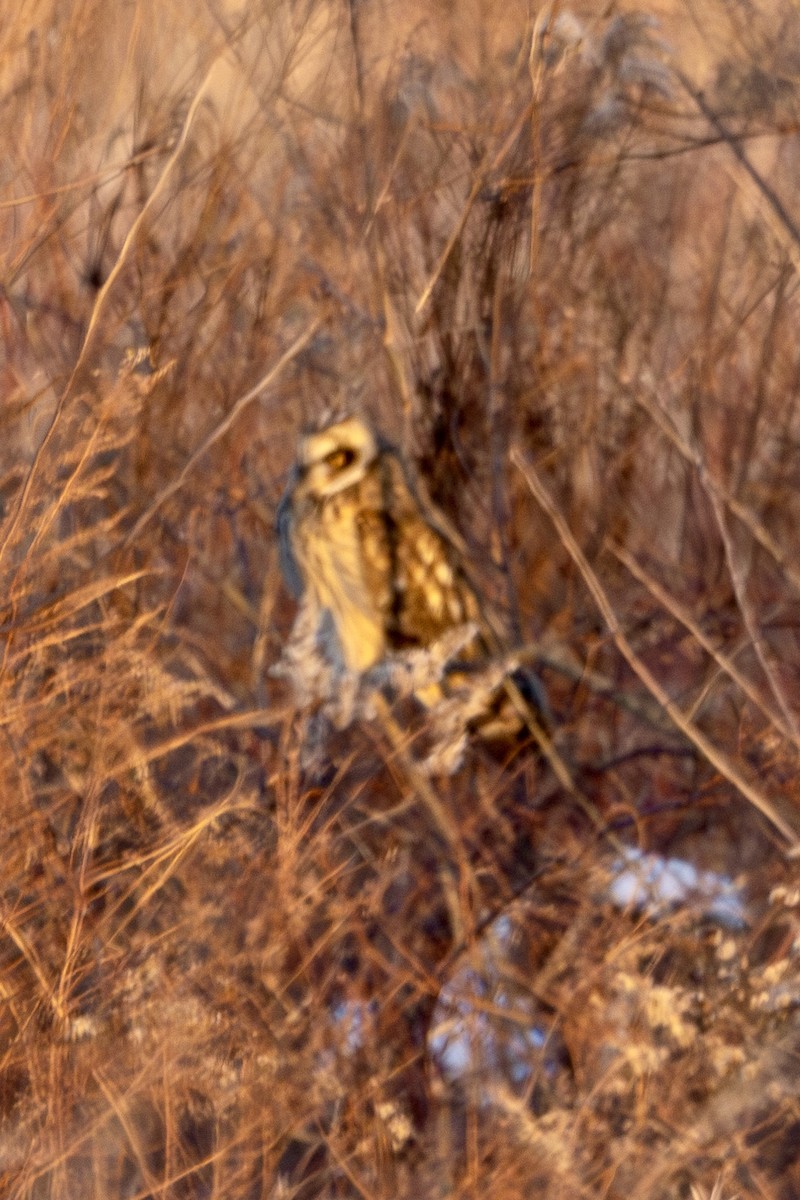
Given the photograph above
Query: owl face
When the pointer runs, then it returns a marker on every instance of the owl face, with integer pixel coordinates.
(335, 458)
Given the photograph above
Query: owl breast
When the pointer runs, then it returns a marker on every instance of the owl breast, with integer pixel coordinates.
(329, 551)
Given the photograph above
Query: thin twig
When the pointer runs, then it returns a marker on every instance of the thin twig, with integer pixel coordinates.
(693, 456)
(30, 955)
(748, 616)
(222, 428)
(558, 764)
(712, 753)
(602, 685)
(780, 219)
(100, 306)
(723, 661)
(449, 831)
(480, 179)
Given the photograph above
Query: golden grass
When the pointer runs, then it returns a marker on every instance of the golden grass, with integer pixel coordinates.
(553, 253)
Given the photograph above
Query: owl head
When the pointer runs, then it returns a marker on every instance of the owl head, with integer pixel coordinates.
(335, 457)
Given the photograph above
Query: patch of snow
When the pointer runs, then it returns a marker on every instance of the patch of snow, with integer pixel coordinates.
(654, 884)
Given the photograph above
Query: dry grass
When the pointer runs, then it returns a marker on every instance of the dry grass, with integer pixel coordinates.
(555, 255)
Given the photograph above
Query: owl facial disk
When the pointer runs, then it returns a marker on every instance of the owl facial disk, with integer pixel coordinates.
(336, 457)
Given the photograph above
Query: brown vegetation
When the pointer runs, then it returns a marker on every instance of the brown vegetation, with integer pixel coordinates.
(554, 254)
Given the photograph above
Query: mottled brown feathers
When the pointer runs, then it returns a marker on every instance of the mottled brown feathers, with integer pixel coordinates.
(357, 538)
(380, 565)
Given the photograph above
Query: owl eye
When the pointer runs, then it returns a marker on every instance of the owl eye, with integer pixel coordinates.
(337, 460)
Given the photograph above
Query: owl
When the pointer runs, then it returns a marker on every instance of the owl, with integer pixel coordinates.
(358, 540)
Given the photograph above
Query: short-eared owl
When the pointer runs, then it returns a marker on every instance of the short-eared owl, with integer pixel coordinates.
(358, 540)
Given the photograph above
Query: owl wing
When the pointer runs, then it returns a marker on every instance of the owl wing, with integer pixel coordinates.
(418, 578)
(434, 594)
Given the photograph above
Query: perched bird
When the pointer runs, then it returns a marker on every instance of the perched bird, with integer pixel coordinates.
(358, 540)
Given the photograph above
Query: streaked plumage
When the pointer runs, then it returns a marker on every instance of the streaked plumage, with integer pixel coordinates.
(358, 540)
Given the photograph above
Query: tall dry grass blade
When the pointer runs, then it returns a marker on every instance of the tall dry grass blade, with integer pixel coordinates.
(718, 759)
(139, 1152)
(99, 310)
(170, 854)
(780, 220)
(748, 616)
(222, 428)
(558, 764)
(460, 886)
(693, 456)
(251, 719)
(105, 291)
(70, 605)
(30, 955)
(106, 175)
(723, 661)
(484, 171)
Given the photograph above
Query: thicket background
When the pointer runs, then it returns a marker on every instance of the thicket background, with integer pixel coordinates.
(552, 252)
